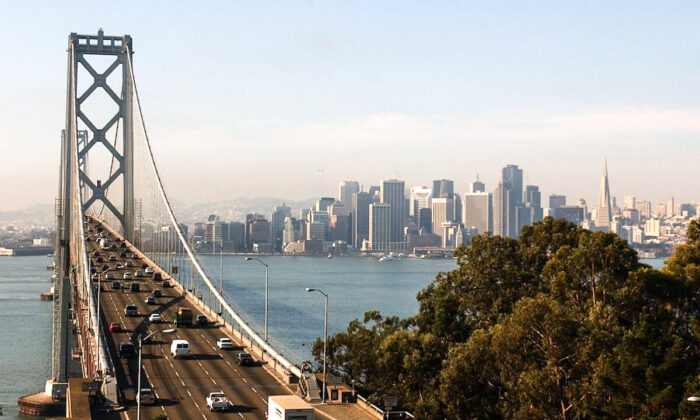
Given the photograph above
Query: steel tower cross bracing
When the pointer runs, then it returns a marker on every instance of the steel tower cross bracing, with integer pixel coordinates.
(84, 46)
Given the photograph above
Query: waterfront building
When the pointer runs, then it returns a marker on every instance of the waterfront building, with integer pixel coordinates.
(379, 227)
(360, 218)
(279, 214)
(316, 230)
(392, 193)
(292, 231)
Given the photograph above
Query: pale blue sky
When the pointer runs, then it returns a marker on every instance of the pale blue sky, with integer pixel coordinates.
(286, 99)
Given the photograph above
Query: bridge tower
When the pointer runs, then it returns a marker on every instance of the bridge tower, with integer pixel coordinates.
(78, 196)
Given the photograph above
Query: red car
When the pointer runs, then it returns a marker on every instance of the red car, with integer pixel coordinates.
(115, 327)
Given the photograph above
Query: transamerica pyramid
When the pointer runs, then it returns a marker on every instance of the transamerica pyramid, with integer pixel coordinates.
(604, 212)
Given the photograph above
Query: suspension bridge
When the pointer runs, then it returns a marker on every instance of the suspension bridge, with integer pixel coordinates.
(118, 243)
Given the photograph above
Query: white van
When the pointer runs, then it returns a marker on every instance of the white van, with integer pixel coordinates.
(180, 348)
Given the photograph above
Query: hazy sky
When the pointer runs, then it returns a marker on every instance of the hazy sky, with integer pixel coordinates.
(286, 99)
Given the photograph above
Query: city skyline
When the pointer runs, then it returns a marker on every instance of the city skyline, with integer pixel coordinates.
(414, 92)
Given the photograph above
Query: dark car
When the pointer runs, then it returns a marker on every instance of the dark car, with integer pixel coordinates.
(116, 285)
(150, 300)
(115, 327)
(135, 287)
(127, 349)
(165, 283)
(144, 265)
(112, 258)
(201, 320)
(95, 253)
(245, 359)
(104, 267)
(157, 277)
(100, 259)
(122, 255)
(136, 257)
(157, 293)
(122, 245)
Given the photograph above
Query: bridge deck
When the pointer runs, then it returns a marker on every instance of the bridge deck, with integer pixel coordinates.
(181, 385)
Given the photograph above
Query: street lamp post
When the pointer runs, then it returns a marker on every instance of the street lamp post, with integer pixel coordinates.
(325, 336)
(266, 289)
(138, 386)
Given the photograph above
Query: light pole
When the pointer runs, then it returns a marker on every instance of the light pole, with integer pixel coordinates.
(325, 336)
(138, 386)
(99, 323)
(266, 289)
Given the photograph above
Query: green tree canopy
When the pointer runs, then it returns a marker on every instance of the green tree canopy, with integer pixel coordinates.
(559, 323)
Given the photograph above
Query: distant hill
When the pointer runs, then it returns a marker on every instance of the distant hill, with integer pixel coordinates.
(188, 213)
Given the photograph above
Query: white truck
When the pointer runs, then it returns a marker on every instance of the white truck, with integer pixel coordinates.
(288, 407)
(104, 243)
(217, 401)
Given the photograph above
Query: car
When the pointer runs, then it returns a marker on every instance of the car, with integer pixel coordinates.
(155, 318)
(115, 327)
(134, 256)
(122, 245)
(150, 300)
(122, 255)
(165, 284)
(245, 359)
(109, 276)
(224, 343)
(138, 273)
(201, 320)
(95, 277)
(114, 246)
(112, 258)
(134, 287)
(95, 253)
(116, 285)
(117, 266)
(157, 277)
(149, 270)
(180, 348)
(144, 265)
(127, 349)
(128, 264)
(127, 276)
(147, 396)
(131, 310)
(93, 270)
(105, 267)
(217, 401)
(89, 228)
(157, 293)
(99, 260)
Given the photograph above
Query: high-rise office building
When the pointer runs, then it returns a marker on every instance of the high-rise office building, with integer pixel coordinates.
(346, 190)
(477, 186)
(443, 212)
(604, 210)
(509, 213)
(360, 218)
(323, 203)
(392, 193)
(380, 227)
(671, 207)
(425, 220)
(556, 201)
(499, 204)
(279, 213)
(630, 202)
(644, 208)
(420, 199)
(533, 204)
(443, 188)
(477, 211)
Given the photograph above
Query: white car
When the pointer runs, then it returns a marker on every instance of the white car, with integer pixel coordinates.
(155, 318)
(127, 276)
(224, 343)
(138, 273)
(149, 270)
(217, 401)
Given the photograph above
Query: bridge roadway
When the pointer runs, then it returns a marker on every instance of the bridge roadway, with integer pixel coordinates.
(180, 385)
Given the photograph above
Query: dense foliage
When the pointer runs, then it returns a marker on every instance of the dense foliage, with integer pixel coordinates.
(560, 323)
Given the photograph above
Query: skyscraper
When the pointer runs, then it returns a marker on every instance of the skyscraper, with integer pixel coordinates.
(533, 204)
(508, 211)
(392, 193)
(360, 217)
(443, 188)
(380, 227)
(346, 190)
(443, 212)
(556, 201)
(604, 210)
(420, 199)
(477, 186)
(477, 211)
(499, 212)
(277, 225)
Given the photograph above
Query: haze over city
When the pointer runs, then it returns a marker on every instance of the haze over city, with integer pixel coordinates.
(246, 101)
